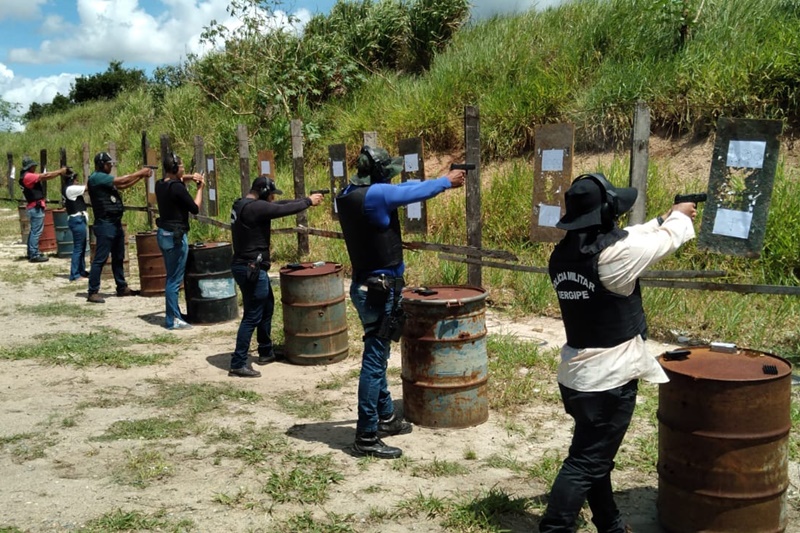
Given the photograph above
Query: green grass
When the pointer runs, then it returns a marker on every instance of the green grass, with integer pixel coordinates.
(304, 478)
(126, 521)
(439, 468)
(146, 429)
(302, 405)
(141, 468)
(53, 309)
(198, 398)
(305, 522)
(83, 350)
(489, 512)
(253, 445)
(25, 447)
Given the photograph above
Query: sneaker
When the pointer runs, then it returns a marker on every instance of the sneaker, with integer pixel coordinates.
(244, 372)
(95, 298)
(127, 291)
(372, 446)
(393, 426)
(39, 259)
(180, 324)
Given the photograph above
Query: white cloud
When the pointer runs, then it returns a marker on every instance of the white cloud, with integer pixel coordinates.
(487, 8)
(20, 9)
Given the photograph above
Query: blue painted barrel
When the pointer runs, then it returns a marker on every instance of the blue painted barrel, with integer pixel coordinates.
(209, 285)
(444, 361)
(314, 314)
(63, 233)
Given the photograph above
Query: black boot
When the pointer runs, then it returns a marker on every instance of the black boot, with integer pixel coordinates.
(369, 444)
(388, 427)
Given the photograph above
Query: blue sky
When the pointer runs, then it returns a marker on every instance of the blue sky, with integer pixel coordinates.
(46, 44)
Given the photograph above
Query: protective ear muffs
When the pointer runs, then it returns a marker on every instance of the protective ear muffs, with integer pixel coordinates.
(375, 170)
(610, 208)
(263, 194)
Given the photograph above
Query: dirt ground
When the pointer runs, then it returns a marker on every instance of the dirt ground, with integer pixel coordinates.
(61, 410)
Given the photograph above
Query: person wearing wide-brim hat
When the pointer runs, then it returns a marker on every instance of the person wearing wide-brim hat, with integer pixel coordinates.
(36, 203)
(595, 272)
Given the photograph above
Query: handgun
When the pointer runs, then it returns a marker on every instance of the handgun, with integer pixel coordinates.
(693, 198)
(320, 191)
(462, 166)
(151, 167)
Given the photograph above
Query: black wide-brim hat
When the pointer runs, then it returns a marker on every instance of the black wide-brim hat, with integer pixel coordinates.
(586, 197)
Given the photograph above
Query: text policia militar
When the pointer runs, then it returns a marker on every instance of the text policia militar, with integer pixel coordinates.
(572, 277)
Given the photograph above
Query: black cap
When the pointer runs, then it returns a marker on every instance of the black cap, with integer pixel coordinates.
(265, 185)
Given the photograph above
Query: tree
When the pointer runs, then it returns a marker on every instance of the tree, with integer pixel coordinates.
(8, 115)
(106, 85)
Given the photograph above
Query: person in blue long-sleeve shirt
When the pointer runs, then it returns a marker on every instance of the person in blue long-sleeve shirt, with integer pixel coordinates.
(371, 226)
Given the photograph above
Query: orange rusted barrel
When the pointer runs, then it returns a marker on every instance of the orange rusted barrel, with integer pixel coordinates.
(723, 441)
(444, 361)
(152, 270)
(47, 241)
(314, 313)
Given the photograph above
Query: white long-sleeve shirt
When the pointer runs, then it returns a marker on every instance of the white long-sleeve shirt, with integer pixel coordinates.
(619, 266)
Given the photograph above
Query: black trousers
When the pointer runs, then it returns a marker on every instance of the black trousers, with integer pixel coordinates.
(601, 421)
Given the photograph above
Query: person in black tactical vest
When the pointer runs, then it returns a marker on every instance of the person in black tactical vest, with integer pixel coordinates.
(371, 227)
(78, 219)
(35, 203)
(251, 219)
(174, 205)
(108, 209)
(595, 272)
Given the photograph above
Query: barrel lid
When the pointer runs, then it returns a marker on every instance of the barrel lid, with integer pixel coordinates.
(318, 268)
(744, 365)
(444, 293)
(205, 245)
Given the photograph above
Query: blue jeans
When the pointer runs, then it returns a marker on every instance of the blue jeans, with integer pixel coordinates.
(601, 421)
(259, 304)
(374, 398)
(36, 218)
(109, 239)
(175, 264)
(77, 225)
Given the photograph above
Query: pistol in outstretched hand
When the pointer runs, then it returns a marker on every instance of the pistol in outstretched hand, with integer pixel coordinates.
(693, 198)
(462, 166)
(320, 191)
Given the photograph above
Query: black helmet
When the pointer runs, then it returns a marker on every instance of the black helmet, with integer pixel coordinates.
(377, 165)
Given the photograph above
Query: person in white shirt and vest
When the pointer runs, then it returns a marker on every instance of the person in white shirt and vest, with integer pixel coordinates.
(595, 272)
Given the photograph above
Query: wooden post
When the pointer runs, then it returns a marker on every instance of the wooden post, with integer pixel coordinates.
(371, 138)
(62, 162)
(299, 182)
(112, 151)
(211, 185)
(86, 158)
(472, 144)
(244, 158)
(552, 176)
(10, 174)
(150, 190)
(200, 166)
(639, 160)
(43, 168)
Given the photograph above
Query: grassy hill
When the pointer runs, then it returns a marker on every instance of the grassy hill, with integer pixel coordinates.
(585, 62)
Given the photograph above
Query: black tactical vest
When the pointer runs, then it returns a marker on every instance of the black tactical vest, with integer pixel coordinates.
(248, 241)
(78, 205)
(370, 248)
(106, 202)
(34, 193)
(594, 317)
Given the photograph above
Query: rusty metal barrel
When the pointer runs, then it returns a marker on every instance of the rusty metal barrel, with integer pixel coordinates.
(152, 270)
(47, 241)
(723, 441)
(209, 286)
(107, 272)
(314, 313)
(444, 361)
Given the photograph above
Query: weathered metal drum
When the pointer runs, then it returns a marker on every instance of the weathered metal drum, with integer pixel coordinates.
(209, 285)
(444, 361)
(63, 233)
(152, 271)
(723, 442)
(314, 314)
(47, 241)
(107, 272)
